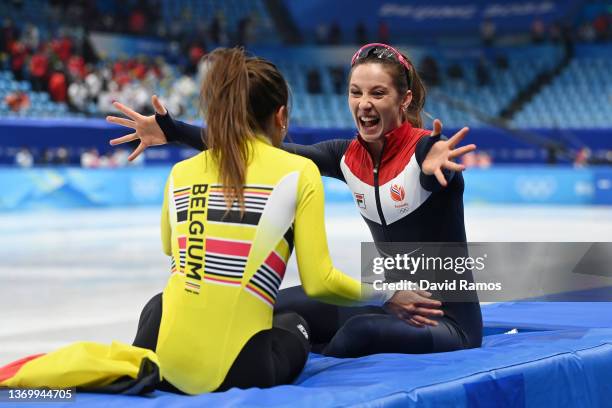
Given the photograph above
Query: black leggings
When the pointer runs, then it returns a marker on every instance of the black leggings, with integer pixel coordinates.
(271, 357)
(341, 331)
(358, 331)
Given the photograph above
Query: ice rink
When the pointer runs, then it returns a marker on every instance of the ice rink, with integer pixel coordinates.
(86, 274)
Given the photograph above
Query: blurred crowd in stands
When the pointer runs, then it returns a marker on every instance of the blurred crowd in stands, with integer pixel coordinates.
(64, 156)
(58, 58)
(58, 65)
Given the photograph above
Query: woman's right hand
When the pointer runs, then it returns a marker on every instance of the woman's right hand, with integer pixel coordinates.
(415, 307)
(145, 127)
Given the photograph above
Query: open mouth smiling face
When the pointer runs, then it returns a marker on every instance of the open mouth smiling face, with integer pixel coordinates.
(374, 101)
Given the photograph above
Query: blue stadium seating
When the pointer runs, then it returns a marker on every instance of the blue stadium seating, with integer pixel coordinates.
(580, 97)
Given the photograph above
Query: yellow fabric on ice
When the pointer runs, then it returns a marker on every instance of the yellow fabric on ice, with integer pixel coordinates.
(81, 364)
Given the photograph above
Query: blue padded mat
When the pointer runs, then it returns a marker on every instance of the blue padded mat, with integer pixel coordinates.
(547, 368)
(530, 316)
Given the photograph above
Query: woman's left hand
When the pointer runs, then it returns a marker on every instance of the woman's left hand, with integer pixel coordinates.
(441, 153)
(415, 307)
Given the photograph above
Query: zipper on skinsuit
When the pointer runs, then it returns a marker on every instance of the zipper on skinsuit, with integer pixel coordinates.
(383, 222)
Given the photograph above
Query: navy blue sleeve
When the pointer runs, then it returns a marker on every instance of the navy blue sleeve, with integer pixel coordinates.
(180, 132)
(326, 155)
(429, 182)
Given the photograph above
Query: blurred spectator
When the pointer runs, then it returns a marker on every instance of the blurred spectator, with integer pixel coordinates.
(586, 32)
(57, 86)
(335, 34)
(162, 68)
(455, 71)
(338, 79)
(361, 34)
(478, 159)
(106, 98)
(93, 81)
(136, 95)
(138, 68)
(62, 47)
(469, 159)
(501, 61)
(482, 73)
(313, 81)
(185, 86)
(78, 36)
(120, 157)
(75, 11)
(218, 30)
(538, 31)
(47, 157)
(55, 9)
(18, 54)
(321, 33)
(17, 101)
(175, 104)
(106, 73)
(90, 158)
(77, 95)
(555, 32)
(39, 70)
(245, 32)
(76, 67)
(30, 37)
(121, 72)
(582, 157)
(487, 32)
(553, 152)
(196, 52)
(384, 34)
(61, 156)
(484, 160)
(429, 71)
(601, 25)
(108, 22)
(567, 38)
(201, 33)
(181, 94)
(24, 158)
(8, 34)
(106, 160)
(138, 22)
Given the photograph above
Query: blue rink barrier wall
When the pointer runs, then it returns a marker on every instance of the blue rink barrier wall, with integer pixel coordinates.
(72, 187)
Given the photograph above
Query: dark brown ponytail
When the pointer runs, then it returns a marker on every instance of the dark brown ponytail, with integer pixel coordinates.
(238, 99)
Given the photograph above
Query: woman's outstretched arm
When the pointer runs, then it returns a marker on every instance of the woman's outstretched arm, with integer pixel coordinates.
(162, 128)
